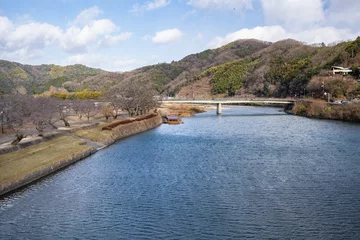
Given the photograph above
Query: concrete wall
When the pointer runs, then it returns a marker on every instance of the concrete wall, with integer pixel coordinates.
(133, 128)
(44, 172)
(118, 133)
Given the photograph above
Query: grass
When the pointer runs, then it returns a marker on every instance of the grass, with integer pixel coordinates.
(16, 165)
(95, 134)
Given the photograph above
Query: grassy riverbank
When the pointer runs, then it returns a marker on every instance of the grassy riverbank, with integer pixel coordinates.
(182, 110)
(19, 164)
(28, 164)
(323, 110)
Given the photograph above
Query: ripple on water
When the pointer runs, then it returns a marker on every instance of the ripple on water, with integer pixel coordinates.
(231, 177)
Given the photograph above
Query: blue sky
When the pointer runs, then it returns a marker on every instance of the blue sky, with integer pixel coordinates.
(123, 35)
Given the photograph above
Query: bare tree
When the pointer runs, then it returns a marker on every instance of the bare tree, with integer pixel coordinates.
(78, 107)
(2, 113)
(16, 113)
(52, 116)
(116, 106)
(135, 97)
(89, 109)
(106, 111)
(39, 110)
(63, 110)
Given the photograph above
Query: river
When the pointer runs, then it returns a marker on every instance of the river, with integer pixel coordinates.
(252, 173)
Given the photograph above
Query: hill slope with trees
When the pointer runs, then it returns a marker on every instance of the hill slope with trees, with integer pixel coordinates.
(281, 69)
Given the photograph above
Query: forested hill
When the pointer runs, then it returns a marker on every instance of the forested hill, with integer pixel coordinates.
(241, 67)
(36, 79)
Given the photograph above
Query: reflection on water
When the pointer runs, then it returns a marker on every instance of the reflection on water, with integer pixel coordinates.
(251, 173)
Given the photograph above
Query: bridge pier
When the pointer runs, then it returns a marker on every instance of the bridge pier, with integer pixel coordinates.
(219, 109)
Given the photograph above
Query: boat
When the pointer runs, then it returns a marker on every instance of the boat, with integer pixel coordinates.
(172, 120)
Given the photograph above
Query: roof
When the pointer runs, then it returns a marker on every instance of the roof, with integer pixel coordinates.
(337, 67)
(341, 69)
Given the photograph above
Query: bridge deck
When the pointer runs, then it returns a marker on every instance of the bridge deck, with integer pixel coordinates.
(230, 101)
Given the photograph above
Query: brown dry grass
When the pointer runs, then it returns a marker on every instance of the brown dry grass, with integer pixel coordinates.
(18, 164)
(96, 134)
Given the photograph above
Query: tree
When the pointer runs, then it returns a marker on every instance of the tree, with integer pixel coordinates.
(89, 109)
(2, 116)
(106, 111)
(78, 107)
(134, 97)
(39, 110)
(16, 112)
(63, 110)
(52, 116)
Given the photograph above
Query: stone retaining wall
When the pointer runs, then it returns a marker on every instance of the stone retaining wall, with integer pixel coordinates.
(118, 133)
(44, 172)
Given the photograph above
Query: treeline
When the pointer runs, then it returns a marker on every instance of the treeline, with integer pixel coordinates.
(318, 109)
(76, 95)
(22, 114)
(289, 77)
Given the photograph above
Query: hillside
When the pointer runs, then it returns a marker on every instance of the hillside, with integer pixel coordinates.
(245, 66)
(36, 79)
(282, 69)
(165, 77)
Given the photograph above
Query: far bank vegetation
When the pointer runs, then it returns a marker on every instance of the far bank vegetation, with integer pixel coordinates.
(320, 109)
(21, 115)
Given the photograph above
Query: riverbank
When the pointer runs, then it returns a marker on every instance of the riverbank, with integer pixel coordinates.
(323, 110)
(23, 166)
(182, 110)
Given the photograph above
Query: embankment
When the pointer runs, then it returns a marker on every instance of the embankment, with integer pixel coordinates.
(29, 164)
(132, 128)
(323, 110)
(37, 174)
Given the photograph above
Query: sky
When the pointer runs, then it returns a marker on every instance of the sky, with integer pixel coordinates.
(123, 35)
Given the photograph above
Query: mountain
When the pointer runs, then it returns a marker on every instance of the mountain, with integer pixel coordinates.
(36, 79)
(282, 69)
(246, 66)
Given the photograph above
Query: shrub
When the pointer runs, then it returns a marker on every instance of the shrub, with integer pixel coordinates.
(299, 109)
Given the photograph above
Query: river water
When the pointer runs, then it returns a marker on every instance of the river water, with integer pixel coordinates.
(251, 173)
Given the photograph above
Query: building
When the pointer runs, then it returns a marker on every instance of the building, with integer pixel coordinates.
(340, 70)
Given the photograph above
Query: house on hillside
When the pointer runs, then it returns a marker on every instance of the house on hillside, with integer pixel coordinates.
(340, 70)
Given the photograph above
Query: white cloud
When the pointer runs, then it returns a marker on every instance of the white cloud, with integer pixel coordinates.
(109, 41)
(109, 63)
(5, 25)
(167, 36)
(189, 14)
(24, 55)
(149, 6)
(32, 38)
(27, 37)
(77, 39)
(87, 16)
(293, 13)
(199, 37)
(124, 63)
(156, 4)
(276, 33)
(146, 37)
(221, 4)
(343, 12)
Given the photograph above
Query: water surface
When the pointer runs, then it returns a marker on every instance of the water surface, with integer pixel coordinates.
(251, 173)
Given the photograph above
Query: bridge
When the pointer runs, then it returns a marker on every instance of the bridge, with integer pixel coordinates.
(219, 103)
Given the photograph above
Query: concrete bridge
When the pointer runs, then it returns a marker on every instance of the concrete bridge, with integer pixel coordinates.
(219, 103)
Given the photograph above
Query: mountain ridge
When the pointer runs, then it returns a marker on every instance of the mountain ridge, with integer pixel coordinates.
(172, 78)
